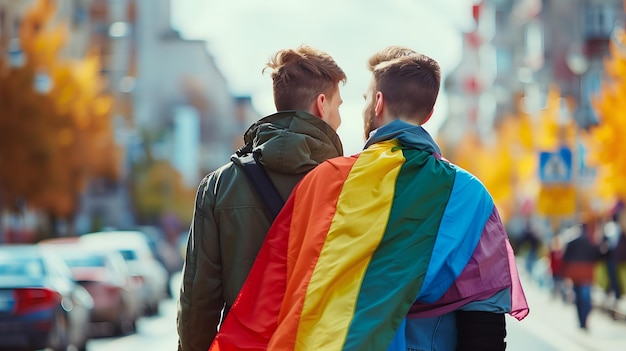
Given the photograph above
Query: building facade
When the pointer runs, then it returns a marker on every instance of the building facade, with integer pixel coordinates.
(517, 53)
(519, 48)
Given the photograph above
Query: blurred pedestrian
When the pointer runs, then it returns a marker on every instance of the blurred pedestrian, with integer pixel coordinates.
(555, 253)
(531, 241)
(579, 261)
(620, 248)
(620, 251)
(611, 235)
(391, 249)
(231, 219)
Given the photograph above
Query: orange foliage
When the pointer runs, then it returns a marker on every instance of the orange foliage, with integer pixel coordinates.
(606, 139)
(52, 143)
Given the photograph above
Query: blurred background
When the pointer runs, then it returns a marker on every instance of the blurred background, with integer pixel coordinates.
(111, 111)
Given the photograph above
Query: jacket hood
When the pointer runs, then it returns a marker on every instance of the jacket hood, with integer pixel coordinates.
(407, 134)
(291, 142)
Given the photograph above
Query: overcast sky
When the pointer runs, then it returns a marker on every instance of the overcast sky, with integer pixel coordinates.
(243, 34)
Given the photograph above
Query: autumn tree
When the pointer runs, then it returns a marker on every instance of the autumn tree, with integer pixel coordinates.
(607, 138)
(158, 190)
(507, 161)
(52, 142)
(489, 162)
(556, 129)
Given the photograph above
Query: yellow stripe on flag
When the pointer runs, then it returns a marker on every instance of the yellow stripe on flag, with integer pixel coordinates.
(355, 232)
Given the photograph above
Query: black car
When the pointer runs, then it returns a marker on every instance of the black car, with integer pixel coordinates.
(41, 306)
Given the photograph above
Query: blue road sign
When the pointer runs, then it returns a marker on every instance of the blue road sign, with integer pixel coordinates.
(555, 167)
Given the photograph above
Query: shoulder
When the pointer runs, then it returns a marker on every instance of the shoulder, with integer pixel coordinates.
(468, 189)
(466, 178)
(209, 187)
(219, 175)
(337, 167)
(341, 161)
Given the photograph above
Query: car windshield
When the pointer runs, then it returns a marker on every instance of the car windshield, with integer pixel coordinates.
(85, 261)
(20, 267)
(129, 255)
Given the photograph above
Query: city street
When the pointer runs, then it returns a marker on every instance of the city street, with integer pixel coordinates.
(551, 326)
(124, 123)
(157, 333)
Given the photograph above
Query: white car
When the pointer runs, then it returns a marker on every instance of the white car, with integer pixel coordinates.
(133, 246)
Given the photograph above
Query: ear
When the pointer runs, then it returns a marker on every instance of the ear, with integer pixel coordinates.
(428, 117)
(380, 104)
(318, 105)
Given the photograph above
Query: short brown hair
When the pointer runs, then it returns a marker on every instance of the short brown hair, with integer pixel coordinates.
(300, 75)
(409, 81)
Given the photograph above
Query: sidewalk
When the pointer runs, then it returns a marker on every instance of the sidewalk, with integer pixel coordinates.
(556, 322)
(616, 309)
(542, 276)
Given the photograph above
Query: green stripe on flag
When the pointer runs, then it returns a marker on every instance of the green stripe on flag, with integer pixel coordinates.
(395, 274)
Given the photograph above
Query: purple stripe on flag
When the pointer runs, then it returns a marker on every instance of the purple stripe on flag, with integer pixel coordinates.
(519, 304)
(487, 272)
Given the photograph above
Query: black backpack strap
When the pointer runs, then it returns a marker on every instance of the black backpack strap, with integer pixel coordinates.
(262, 183)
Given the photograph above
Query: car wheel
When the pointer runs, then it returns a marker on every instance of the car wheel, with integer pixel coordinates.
(126, 324)
(151, 309)
(155, 308)
(82, 347)
(57, 339)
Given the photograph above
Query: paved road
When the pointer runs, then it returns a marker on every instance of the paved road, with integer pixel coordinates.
(551, 326)
(156, 333)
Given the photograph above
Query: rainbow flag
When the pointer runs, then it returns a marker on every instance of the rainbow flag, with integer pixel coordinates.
(364, 242)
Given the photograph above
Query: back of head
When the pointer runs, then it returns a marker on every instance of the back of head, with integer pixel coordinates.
(409, 82)
(300, 75)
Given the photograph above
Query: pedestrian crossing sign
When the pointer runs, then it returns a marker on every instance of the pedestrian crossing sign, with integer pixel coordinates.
(555, 167)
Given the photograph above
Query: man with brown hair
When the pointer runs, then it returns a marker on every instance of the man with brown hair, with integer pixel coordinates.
(379, 251)
(410, 94)
(230, 217)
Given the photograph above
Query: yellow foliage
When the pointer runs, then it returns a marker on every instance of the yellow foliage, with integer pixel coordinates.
(552, 132)
(508, 167)
(492, 164)
(525, 131)
(160, 189)
(606, 140)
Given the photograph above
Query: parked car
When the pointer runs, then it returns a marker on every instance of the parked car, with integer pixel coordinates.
(136, 251)
(164, 251)
(105, 275)
(41, 306)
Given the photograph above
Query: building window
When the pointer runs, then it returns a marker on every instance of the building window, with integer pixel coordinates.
(504, 60)
(590, 87)
(599, 21)
(80, 14)
(3, 16)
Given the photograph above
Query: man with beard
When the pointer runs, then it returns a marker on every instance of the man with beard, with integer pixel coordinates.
(391, 249)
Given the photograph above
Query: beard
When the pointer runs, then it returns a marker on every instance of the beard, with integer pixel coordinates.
(370, 121)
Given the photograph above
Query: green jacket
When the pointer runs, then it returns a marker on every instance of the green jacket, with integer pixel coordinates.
(230, 220)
